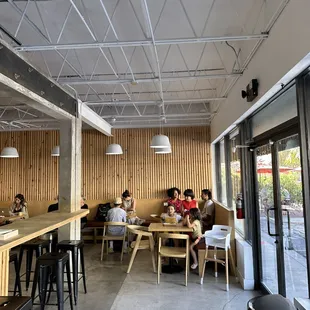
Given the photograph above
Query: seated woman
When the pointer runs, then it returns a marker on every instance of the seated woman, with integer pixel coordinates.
(19, 205)
(189, 202)
(174, 199)
(171, 216)
(83, 206)
(129, 205)
(208, 212)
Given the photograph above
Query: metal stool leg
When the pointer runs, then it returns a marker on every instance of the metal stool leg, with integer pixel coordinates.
(28, 267)
(75, 273)
(83, 268)
(17, 279)
(69, 284)
(60, 288)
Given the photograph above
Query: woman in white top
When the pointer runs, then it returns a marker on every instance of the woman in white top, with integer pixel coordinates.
(129, 205)
(19, 205)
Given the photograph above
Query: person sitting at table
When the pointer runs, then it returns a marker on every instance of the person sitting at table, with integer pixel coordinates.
(171, 216)
(189, 202)
(19, 205)
(193, 220)
(116, 214)
(208, 211)
(83, 206)
(129, 205)
(54, 207)
(174, 198)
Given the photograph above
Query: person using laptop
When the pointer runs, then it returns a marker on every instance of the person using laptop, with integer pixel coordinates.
(19, 205)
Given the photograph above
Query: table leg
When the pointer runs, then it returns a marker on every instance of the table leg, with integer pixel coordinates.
(4, 272)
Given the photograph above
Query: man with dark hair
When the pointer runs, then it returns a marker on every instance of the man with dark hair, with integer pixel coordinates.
(208, 211)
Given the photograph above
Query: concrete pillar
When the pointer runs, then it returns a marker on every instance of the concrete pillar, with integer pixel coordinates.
(70, 175)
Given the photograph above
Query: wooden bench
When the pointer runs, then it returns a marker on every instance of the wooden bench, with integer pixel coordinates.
(223, 216)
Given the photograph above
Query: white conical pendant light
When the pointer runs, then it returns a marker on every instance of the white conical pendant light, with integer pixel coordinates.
(9, 151)
(163, 150)
(160, 141)
(56, 151)
(114, 149)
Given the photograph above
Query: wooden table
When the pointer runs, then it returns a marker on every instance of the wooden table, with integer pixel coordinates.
(27, 230)
(160, 227)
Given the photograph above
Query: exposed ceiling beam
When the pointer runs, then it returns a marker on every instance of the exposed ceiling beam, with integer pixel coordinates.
(151, 102)
(167, 116)
(91, 118)
(69, 46)
(70, 81)
(203, 122)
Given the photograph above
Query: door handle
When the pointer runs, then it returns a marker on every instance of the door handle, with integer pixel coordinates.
(268, 222)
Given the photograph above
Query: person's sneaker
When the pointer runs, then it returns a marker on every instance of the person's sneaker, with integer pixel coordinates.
(194, 266)
(110, 250)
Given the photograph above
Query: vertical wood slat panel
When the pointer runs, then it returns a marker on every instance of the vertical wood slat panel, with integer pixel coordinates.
(146, 175)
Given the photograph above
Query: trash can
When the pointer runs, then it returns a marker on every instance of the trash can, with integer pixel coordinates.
(270, 302)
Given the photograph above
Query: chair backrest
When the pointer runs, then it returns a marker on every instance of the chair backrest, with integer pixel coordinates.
(106, 224)
(218, 237)
(173, 236)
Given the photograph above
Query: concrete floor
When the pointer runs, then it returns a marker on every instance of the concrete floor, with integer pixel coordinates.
(109, 287)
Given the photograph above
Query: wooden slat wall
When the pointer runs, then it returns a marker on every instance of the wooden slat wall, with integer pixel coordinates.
(145, 174)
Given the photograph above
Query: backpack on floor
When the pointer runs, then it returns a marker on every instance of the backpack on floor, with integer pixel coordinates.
(102, 211)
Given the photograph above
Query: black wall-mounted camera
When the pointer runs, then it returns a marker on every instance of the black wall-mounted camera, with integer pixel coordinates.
(251, 91)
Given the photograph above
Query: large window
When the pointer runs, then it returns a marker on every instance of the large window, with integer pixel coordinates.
(235, 175)
(223, 197)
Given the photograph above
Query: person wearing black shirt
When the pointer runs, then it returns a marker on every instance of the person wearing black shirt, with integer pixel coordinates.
(53, 207)
(83, 206)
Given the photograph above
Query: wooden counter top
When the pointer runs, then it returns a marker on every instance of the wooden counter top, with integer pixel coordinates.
(39, 225)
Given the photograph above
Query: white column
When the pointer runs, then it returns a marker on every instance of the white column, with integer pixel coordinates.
(70, 175)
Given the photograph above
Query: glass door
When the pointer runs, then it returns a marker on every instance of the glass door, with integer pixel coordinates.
(283, 267)
(293, 225)
(267, 223)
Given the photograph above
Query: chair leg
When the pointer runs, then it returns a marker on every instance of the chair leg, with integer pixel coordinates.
(186, 268)
(152, 253)
(215, 263)
(123, 246)
(232, 262)
(102, 249)
(204, 266)
(134, 252)
(158, 268)
(227, 271)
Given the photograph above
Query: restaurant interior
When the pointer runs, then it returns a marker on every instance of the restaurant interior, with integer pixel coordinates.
(154, 154)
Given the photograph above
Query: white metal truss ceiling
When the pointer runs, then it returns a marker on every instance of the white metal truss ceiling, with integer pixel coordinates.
(140, 62)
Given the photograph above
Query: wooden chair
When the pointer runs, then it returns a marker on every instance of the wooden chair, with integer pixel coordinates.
(141, 244)
(174, 252)
(219, 238)
(107, 237)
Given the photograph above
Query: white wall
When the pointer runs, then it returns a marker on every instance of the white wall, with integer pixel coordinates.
(288, 43)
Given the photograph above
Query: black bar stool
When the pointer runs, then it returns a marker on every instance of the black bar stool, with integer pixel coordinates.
(52, 265)
(37, 246)
(75, 246)
(15, 303)
(14, 259)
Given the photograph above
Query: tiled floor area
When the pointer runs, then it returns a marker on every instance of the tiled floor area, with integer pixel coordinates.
(109, 287)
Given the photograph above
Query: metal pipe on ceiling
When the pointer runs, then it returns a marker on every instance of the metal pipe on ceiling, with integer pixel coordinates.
(153, 102)
(188, 115)
(82, 45)
(70, 81)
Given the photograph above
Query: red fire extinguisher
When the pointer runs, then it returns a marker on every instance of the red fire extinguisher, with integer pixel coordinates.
(239, 207)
